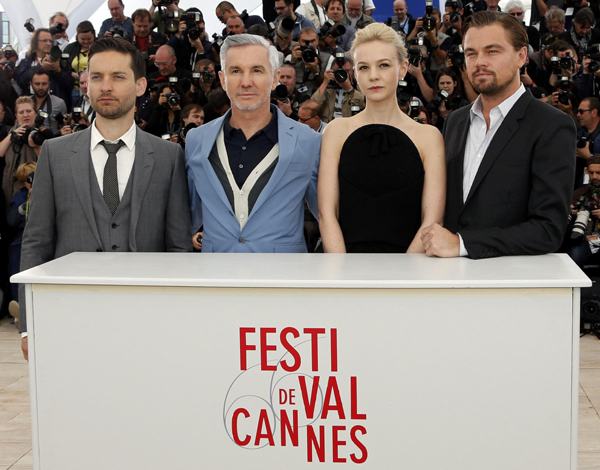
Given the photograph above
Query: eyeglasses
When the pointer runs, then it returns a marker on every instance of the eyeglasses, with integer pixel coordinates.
(520, 13)
(281, 8)
(164, 64)
(220, 17)
(581, 111)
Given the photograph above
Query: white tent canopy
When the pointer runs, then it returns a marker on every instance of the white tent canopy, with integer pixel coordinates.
(97, 11)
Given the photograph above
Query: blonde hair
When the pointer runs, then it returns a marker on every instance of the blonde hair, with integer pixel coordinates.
(380, 32)
(24, 170)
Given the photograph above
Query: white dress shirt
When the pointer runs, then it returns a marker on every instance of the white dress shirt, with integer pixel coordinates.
(125, 157)
(479, 140)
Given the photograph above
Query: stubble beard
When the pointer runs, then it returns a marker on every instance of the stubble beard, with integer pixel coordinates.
(491, 87)
(115, 110)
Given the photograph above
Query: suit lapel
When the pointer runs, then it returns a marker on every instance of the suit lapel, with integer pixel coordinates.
(207, 143)
(507, 129)
(455, 168)
(287, 144)
(141, 173)
(81, 161)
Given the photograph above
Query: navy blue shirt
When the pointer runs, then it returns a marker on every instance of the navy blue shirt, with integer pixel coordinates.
(245, 154)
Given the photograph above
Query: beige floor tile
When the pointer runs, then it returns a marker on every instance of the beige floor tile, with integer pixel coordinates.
(21, 467)
(6, 380)
(24, 417)
(11, 452)
(587, 461)
(21, 385)
(17, 433)
(6, 416)
(26, 460)
(16, 397)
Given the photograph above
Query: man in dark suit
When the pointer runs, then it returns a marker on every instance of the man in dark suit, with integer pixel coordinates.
(510, 158)
(111, 187)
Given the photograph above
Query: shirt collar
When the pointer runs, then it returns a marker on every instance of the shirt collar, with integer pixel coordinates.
(128, 137)
(504, 107)
(270, 129)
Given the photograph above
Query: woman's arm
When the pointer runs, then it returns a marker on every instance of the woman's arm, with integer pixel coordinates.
(5, 144)
(434, 189)
(328, 188)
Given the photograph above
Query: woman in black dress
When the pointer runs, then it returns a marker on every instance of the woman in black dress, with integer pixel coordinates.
(382, 176)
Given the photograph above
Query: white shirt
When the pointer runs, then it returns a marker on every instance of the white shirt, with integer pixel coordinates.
(479, 140)
(302, 10)
(125, 157)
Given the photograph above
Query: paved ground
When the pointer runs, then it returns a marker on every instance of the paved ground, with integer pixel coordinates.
(15, 418)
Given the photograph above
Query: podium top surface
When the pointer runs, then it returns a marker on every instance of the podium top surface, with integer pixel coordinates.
(377, 271)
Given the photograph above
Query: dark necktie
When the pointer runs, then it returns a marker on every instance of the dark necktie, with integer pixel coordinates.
(110, 180)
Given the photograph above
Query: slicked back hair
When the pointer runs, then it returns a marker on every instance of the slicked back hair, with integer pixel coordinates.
(138, 64)
(517, 35)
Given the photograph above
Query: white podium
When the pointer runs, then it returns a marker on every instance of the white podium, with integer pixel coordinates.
(227, 361)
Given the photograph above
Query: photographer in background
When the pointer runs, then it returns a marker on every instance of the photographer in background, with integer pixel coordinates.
(206, 82)
(8, 85)
(585, 214)
(515, 8)
(192, 116)
(419, 79)
(354, 15)
(428, 27)
(337, 94)
(75, 122)
(308, 114)
(289, 103)
(144, 40)
(118, 24)
(166, 114)
(17, 218)
(78, 51)
(314, 11)
(166, 63)
(84, 100)
(336, 37)
(564, 81)
(452, 20)
(402, 21)
(189, 42)
(309, 61)
(443, 104)
(160, 11)
(42, 53)
(59, 23)
(18, 147)
(52, 106)
(588, 138)
(583, 32)
(555, 25)
(285, 9)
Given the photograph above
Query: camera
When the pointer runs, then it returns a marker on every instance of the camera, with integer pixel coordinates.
(29, 25)
(40, 118)
(454, 14)
(22, 139)
(584, 207)
(567, 62)
(196, 79)
(309, 54)
(328, 30)
(280, 93)
(402, 93)
(340, 75)
(285, 27)
(64, 61)
(55, 54)
(593, 52)
(457, 56)
(414, 56)
(59, 118)
(355, 110)
(218, 41)
(413, 111)
(191, 19)
(473, 7)
(440, 97)
(184, 130)
(171, 21)
(76, 114)
(164, 3)
(40, 134)
(582, 141)
(429, 22)
(29, 178)
(173, 99)
(207, 75)
(79, 126)
(56, 28)
(555, 64)
(117, 32)
(564, 84)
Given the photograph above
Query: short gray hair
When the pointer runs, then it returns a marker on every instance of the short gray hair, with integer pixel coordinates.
(238, 40)
(555, 13)
(59, 13)
(514, 4)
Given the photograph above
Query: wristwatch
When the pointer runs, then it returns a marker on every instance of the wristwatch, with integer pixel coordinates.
(435, 47)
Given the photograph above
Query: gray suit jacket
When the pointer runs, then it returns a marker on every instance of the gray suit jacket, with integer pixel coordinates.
(61, 219)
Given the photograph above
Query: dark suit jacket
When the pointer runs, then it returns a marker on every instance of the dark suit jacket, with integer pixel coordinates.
(519, 201)
(61, 218)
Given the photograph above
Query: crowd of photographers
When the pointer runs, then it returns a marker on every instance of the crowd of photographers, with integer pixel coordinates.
(43, 91)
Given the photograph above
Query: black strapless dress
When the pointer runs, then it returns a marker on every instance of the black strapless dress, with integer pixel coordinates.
(381, 179)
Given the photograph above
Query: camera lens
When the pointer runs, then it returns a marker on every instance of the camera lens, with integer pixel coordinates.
(340, 75)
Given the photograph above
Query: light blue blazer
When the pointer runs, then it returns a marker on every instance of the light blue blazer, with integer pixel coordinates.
(276, 223)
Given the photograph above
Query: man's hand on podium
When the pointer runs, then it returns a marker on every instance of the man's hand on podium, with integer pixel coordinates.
(440, 242)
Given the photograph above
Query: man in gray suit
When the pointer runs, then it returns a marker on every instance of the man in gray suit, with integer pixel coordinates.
(111, 187)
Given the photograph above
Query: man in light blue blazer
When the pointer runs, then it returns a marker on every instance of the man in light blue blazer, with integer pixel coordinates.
(250, 171)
